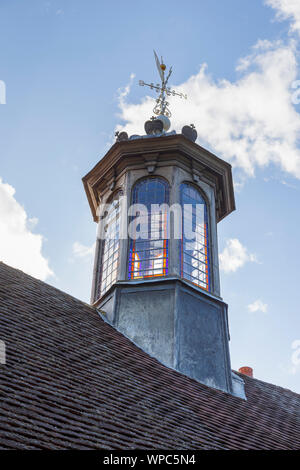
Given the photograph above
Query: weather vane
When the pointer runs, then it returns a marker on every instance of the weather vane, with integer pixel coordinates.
(161, 107)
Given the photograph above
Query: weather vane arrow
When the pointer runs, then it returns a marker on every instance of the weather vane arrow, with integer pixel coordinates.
(161, 107)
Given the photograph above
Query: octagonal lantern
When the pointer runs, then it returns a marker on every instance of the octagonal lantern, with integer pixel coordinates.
(151, 283)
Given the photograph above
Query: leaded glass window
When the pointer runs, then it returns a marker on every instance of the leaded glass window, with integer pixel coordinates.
(109, 247)
(195, 253)
(148, 255)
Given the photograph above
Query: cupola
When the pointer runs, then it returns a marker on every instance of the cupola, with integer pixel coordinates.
(157, 199)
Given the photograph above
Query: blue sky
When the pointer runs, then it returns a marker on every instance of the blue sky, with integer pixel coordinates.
(66, 66)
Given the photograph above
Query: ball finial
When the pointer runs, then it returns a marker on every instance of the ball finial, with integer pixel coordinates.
(165, 120)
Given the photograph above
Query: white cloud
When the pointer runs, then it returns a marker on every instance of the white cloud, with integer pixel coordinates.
(295, 357)
(250, 122)
(258, 306)
(289, 185)
(124, 92)
(19, 247)
(287, 10)
(234, 256)
(83, 251)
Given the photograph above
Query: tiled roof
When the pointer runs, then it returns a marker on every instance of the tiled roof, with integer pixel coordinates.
(73, 381)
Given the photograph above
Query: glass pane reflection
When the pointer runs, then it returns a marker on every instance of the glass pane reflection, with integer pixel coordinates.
(195, 255)
(109, 249)
(148, 255)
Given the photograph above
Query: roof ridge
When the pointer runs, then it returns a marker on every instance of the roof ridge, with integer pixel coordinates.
(243, 376)
(35, 279)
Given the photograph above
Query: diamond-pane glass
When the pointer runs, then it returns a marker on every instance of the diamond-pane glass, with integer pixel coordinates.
(109, 249)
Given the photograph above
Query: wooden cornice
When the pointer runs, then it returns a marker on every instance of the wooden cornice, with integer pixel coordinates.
(155, 152)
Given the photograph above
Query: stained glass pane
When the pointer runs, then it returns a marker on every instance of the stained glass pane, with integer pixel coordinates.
(195, 253)
(148, 254)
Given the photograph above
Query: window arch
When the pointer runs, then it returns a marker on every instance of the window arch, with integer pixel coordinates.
(148, 256)
(195, 253)
(109, 246)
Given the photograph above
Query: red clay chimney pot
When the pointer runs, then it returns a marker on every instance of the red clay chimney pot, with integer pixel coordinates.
(246, 371)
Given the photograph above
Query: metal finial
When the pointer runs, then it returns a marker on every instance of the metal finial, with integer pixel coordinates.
(161, 107)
